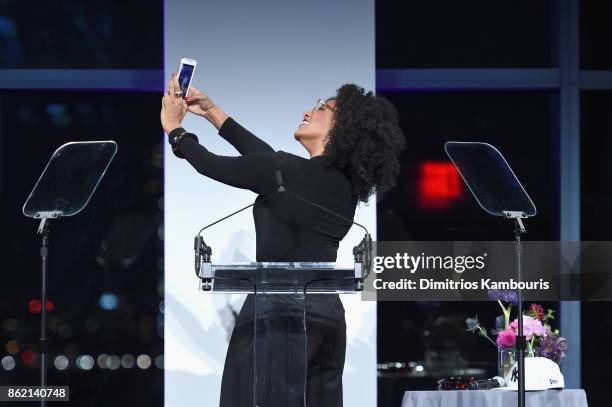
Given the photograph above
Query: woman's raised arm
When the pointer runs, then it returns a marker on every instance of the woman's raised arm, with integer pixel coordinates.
(243, 140)
(253, 171)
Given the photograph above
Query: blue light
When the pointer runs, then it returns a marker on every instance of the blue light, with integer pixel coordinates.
(58, 114)
(8, 27)
(108, 301)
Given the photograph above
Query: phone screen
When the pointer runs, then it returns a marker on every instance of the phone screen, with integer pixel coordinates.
(185, 77)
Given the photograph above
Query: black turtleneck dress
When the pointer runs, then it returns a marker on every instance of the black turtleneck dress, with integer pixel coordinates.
(287, 229)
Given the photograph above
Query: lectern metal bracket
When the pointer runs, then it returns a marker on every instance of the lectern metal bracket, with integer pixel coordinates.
(204, 269)
(203, 264)
(362, 254)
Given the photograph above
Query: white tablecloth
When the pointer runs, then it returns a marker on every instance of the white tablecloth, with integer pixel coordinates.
(494, 398)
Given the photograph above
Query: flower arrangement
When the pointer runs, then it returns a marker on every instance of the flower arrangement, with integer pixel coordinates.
(542, 340)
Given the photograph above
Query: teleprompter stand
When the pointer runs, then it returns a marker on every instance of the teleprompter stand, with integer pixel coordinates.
(499, 193)
(64, 189)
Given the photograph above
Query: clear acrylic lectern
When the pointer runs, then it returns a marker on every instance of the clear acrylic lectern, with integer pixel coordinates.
(268, 283)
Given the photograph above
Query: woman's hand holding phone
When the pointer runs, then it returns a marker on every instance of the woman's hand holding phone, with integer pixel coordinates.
(173, 108)
(199, 103)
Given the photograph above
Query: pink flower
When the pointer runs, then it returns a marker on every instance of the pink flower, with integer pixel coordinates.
(531, 327)
(506, 338)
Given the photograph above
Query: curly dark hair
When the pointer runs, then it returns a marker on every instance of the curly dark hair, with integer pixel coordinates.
(365, 140)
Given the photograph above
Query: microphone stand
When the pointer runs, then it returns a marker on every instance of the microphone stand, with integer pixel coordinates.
(203, 252)
(362, 252)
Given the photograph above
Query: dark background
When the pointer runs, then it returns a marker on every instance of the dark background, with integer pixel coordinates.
(524, 124)
(115, 246)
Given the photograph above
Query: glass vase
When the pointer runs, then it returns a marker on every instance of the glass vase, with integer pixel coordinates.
(505, 360)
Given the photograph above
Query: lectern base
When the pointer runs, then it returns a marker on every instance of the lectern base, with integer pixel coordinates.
(273, 361)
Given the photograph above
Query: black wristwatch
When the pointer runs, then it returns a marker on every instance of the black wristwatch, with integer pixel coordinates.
(175, 138)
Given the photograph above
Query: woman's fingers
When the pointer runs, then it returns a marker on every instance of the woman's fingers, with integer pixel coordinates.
(170, 87)
(169, 100)
(195, 99)
(170, 91)
(194, 91)
(175, 84)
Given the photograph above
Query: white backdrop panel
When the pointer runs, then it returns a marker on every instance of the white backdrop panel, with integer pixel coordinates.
(264, 63)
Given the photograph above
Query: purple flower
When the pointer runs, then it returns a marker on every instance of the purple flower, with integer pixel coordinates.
(562, 343)
(495, 294)
(508, 296)
(548, 348)
(553, 348)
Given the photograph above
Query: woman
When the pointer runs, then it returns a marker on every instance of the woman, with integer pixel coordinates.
(353, 140)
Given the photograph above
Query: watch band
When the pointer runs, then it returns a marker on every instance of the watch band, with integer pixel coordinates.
(176, 139)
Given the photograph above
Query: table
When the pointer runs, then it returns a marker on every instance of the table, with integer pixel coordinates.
(494, 398)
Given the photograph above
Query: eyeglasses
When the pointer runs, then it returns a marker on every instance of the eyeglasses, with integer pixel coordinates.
(322, 105)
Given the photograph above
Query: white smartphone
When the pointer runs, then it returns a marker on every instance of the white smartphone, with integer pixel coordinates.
(185, 74)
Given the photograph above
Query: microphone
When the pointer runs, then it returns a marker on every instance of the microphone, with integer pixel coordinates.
(487, 384)
(279, 181)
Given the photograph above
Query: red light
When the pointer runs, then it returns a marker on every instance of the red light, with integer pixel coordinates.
(439, 184)
(28, 356)
(35, 306)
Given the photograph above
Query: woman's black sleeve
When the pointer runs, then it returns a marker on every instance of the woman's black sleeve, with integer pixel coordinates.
(243, 140)
(255, 171)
